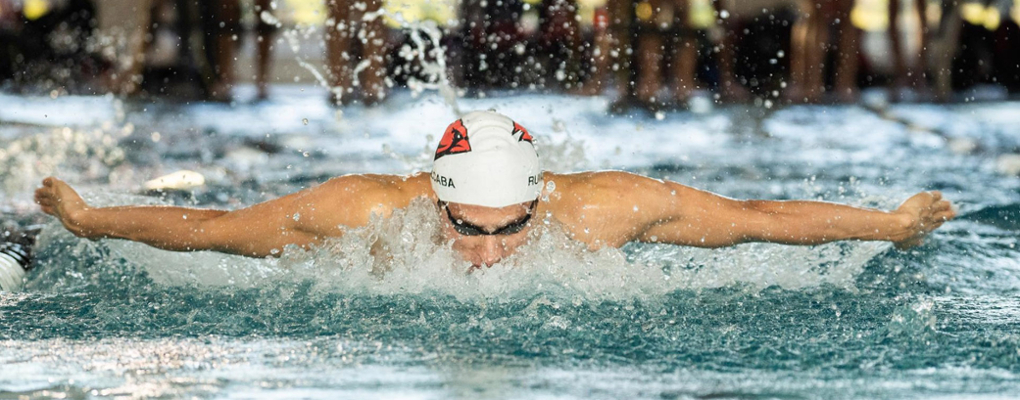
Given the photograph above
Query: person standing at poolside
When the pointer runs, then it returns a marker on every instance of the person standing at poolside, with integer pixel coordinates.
(355, 34)
(487, 185)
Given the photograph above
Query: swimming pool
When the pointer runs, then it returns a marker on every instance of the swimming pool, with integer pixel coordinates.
(845, 320)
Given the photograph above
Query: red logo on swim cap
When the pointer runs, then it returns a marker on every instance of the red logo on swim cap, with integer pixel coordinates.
(454, 141)
(525, 136)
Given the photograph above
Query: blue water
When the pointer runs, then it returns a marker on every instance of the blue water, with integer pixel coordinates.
(846, 320)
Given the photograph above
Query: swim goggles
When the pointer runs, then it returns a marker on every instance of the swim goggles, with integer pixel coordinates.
(468, 229)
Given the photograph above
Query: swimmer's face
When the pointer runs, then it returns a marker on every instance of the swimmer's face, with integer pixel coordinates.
(486, 235)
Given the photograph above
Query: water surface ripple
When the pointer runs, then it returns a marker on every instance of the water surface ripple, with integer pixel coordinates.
(847, 320)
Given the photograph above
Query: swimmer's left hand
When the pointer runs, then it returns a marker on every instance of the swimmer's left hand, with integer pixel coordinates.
(922, 213)
(57, 198)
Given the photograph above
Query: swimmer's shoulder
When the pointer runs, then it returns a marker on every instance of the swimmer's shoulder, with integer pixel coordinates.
(351, 200)
(602, 208)
(597, 186)
(394, 191)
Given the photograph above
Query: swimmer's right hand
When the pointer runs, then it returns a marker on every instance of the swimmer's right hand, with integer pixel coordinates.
(58, 199)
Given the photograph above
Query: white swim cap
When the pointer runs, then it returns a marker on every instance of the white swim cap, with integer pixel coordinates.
(486, 159)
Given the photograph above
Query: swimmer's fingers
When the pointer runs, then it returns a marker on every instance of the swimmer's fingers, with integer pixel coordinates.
(944, 215)
(43, 196)
(939, 210)
(47, 197)
(46, 188)
(44, 199)
(936, 220)
(921, 202)
(47, 193)
(941, 205)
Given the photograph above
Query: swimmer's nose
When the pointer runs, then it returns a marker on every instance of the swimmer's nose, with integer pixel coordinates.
(491, 252)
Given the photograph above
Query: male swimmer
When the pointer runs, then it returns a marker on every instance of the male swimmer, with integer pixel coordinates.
(489, 190)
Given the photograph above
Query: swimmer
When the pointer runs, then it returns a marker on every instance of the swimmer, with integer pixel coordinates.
(490, 191)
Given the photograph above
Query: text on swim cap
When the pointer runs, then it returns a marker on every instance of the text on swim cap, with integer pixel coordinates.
(534, 180)
(442, 180)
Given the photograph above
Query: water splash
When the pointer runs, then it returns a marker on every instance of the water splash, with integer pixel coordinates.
(428, 52)
(403, 254)
(87, 152)
(431, 57)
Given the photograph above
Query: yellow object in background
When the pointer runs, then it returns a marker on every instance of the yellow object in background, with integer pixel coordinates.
(1016, 11)
(978, 14)
(398, 13)
(643, 11)
(871, 15)
(35, 9)
(992, 18)
(586, 10)
(702, 14)
(973, 13)
(303, 12)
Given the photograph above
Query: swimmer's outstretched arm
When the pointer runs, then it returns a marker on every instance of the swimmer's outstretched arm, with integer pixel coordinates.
(668, 212)
(257, 231)
(709, 220)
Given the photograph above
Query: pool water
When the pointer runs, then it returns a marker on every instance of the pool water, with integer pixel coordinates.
(842, 320)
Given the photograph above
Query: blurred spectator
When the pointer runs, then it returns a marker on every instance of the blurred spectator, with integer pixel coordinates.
(171, 67)
(122, 28)
(600, 65)
(265, 35)
(666, 50)
(820, 26)
(909, 71)
(653, 44)
(976, 43)
(830, 29)
(178, 67)
(221, 28)
(355, 49)
(493, 42)
(620, 36)
(734, 15)
(559, 42)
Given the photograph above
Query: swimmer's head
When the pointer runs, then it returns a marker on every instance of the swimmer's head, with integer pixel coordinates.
(486, 159)
(484, 236)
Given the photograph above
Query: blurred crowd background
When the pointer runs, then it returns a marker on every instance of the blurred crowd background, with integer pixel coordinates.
(650, 54)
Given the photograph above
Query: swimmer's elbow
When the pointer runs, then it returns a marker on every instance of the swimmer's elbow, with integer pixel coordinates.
(762, 207)
(755, 221)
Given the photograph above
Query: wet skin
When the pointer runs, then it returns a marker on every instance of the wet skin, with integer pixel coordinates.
(599, 209)
(485, 250)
